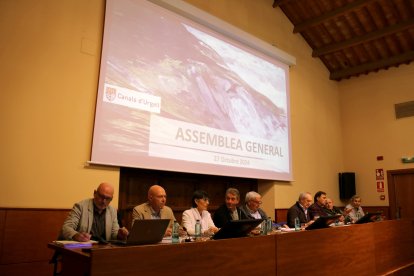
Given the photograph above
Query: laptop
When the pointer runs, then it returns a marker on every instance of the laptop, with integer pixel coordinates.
(323, 222)
(147, 231)
(237, 229)
(369, 217)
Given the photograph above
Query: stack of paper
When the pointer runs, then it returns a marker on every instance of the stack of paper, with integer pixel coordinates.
(75, 244)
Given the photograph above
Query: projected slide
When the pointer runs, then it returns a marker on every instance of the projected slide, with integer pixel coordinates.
(174, 95)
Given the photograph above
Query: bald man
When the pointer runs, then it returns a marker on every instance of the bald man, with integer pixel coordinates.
(155, 208)
(94, 219)
(300, 210)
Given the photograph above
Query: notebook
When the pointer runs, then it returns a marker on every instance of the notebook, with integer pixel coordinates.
(237, 229)
(147, 231)
(323, 222)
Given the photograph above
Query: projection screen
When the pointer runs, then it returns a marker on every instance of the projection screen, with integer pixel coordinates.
(175, 95)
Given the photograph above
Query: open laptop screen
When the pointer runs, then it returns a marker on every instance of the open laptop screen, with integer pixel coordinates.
(368, 217)
(237, 229)
(147, 231)
(323, 222)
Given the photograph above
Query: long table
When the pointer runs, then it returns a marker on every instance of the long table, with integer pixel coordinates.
(378, 248)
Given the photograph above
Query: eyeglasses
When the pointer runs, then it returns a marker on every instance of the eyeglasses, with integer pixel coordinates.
(103, 197)
(257, 202)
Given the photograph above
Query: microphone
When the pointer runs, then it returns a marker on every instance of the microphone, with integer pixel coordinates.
(187, 239)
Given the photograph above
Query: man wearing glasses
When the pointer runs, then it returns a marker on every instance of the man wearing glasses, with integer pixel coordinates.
(251, 209)
(94, 219)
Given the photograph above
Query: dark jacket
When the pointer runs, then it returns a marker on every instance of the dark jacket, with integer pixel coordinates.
(245, 214)
(222, 216)
(334, 211)
(316, 210)
(296, 211)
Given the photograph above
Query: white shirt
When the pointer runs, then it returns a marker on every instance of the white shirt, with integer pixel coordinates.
(305, 210)
(155, 215)
(190, 217)
(256, 214)
(355, 214)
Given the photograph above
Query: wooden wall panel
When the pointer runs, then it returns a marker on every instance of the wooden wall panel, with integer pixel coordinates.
(27, 232)
(2, 225)
(281, 215)
(42, 268)
(384, 209)
(394, 244)
(134, 185)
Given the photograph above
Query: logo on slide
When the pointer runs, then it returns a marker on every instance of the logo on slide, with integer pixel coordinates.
(110, 93)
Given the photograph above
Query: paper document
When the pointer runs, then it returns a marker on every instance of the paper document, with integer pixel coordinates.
(75, 244)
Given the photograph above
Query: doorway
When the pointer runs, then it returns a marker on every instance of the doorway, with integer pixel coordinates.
(401, 193)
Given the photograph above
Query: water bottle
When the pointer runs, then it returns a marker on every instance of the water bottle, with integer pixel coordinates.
(263, 228)
(269, 225)
(197, 230)
(297, 224)
(174, 235)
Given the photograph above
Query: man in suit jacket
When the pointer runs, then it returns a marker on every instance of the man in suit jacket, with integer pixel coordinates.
(229, 210)
(93, 218)
(155, 208)
(300, 210)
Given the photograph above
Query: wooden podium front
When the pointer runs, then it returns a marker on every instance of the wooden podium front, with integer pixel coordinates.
(378, 248)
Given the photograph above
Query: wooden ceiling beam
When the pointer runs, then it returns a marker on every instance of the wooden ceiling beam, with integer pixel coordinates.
(277, 3)
(329, 15)
(372, 66)
(363, 38)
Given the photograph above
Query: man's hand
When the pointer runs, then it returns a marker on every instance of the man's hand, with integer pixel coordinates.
(347, 211)
(81, 237)
(309, 223)
(168, 232)
(122, 233)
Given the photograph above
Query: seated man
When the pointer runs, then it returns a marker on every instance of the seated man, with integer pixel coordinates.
(155, 208)
(354, 209)
(300, 210)
(229, 210)
(332, 210)
(251, 209)
(317, 209)
(93, 218)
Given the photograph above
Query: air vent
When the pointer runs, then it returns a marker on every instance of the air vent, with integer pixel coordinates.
(403, 110)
